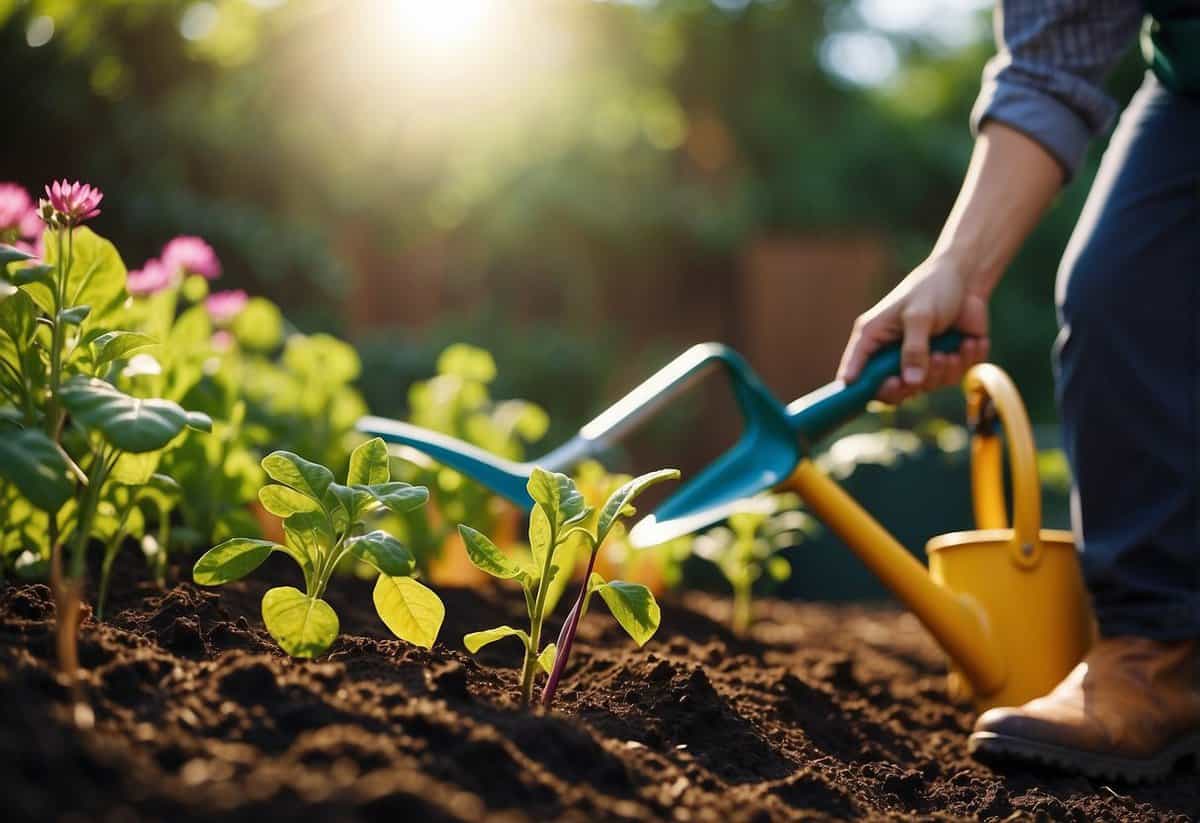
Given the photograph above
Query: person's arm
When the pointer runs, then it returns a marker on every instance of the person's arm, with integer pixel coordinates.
(1040, 104)
(996, 209)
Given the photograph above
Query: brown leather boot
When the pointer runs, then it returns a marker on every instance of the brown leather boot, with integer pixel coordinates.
(1129, 711)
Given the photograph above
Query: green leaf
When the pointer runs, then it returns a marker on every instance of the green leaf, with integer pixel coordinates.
(399, 498)
(477, 640)
(546, 658)
(634, 607)
(411, 611)
(346, 503)
(624, 495)
(135, 469)
(468, 362)
(97, 275)
(303, 626)
(779, 568)
(382, 552)
(566, 559)
(199, 421)
(304, 476)
(74, 315)
(115, 345)
(309, 533)
(31, 461)
(539, 538)
(131, 424)
(283, 501)
(18, 318)
(11, 254)
(486, 556)
(369, 464)
(231, 560)
(557, 495)
(40, 273)
(259, 325)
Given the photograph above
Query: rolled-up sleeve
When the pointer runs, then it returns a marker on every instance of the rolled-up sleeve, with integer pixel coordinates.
(1046, 79)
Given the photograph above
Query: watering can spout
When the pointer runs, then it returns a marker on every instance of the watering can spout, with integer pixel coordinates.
(957, 624)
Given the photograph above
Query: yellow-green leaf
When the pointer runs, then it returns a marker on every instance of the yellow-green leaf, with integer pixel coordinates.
(477, 640)
(410, 610)
(302, 626)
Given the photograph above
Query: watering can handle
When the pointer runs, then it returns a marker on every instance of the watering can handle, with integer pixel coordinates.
(990, 394)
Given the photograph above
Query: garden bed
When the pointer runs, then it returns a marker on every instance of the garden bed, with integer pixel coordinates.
(826, 711)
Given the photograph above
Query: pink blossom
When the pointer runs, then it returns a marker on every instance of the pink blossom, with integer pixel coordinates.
(193, 256)
(150, 278)
(15, 208)
(223, 306)
(222, 341)
(31, 226)
(73, 202)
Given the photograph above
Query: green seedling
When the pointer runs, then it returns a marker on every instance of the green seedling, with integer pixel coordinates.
(747, 548)
(324, 523)
(560, 523)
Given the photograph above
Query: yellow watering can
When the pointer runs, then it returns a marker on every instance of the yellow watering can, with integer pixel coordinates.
(1007, 604)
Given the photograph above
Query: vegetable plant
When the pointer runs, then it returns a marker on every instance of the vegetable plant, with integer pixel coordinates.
(325, 522)
(747, 547)
(72, 430)
(561, 519)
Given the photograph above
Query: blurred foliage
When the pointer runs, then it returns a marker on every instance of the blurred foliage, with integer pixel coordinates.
(297, 134)
(457, 402)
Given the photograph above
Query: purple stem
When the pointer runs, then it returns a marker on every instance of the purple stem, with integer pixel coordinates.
(566, 636)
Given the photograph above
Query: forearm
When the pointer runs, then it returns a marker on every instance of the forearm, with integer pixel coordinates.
(1010, 183)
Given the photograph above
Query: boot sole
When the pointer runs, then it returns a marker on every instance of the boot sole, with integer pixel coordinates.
(989, 746)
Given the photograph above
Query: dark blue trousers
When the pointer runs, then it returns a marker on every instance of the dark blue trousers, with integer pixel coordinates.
(1128, 371)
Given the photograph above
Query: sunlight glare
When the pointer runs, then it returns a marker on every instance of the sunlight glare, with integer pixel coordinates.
(442, 23)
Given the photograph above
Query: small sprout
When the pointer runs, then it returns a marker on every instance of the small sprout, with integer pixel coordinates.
(560, 523)
(746, 548)
(323, 523)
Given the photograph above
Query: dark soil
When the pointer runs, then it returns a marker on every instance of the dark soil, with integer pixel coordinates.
(826, 712)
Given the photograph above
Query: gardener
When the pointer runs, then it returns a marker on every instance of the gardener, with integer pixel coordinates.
(1127, 357)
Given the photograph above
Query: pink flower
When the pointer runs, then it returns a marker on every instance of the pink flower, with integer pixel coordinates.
(222, 341)
(223, 306)
(15, 208)
(31, 226)
(192, 256)
(150, 278)
(72, 203)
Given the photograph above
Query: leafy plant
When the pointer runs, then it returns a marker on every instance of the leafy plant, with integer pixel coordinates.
(325, 522)
(457, 401)
(76, 449)
(746, 548)
(559, 519)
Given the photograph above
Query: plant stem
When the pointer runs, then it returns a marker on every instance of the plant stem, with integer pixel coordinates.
(743, 610)
(566, 637)
(529, 669)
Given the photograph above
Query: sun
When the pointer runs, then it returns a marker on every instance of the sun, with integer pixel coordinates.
(439, 24)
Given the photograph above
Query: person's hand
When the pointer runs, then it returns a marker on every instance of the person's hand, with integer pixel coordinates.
(935, 297)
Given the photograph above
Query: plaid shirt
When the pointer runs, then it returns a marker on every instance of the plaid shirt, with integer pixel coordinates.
(1054, 55)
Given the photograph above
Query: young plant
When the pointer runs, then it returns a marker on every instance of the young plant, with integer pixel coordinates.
(69, 435)
(746, 548)
(558, 522)
(323, 523)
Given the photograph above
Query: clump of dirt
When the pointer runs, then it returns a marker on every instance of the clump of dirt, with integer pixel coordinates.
(825, 712)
